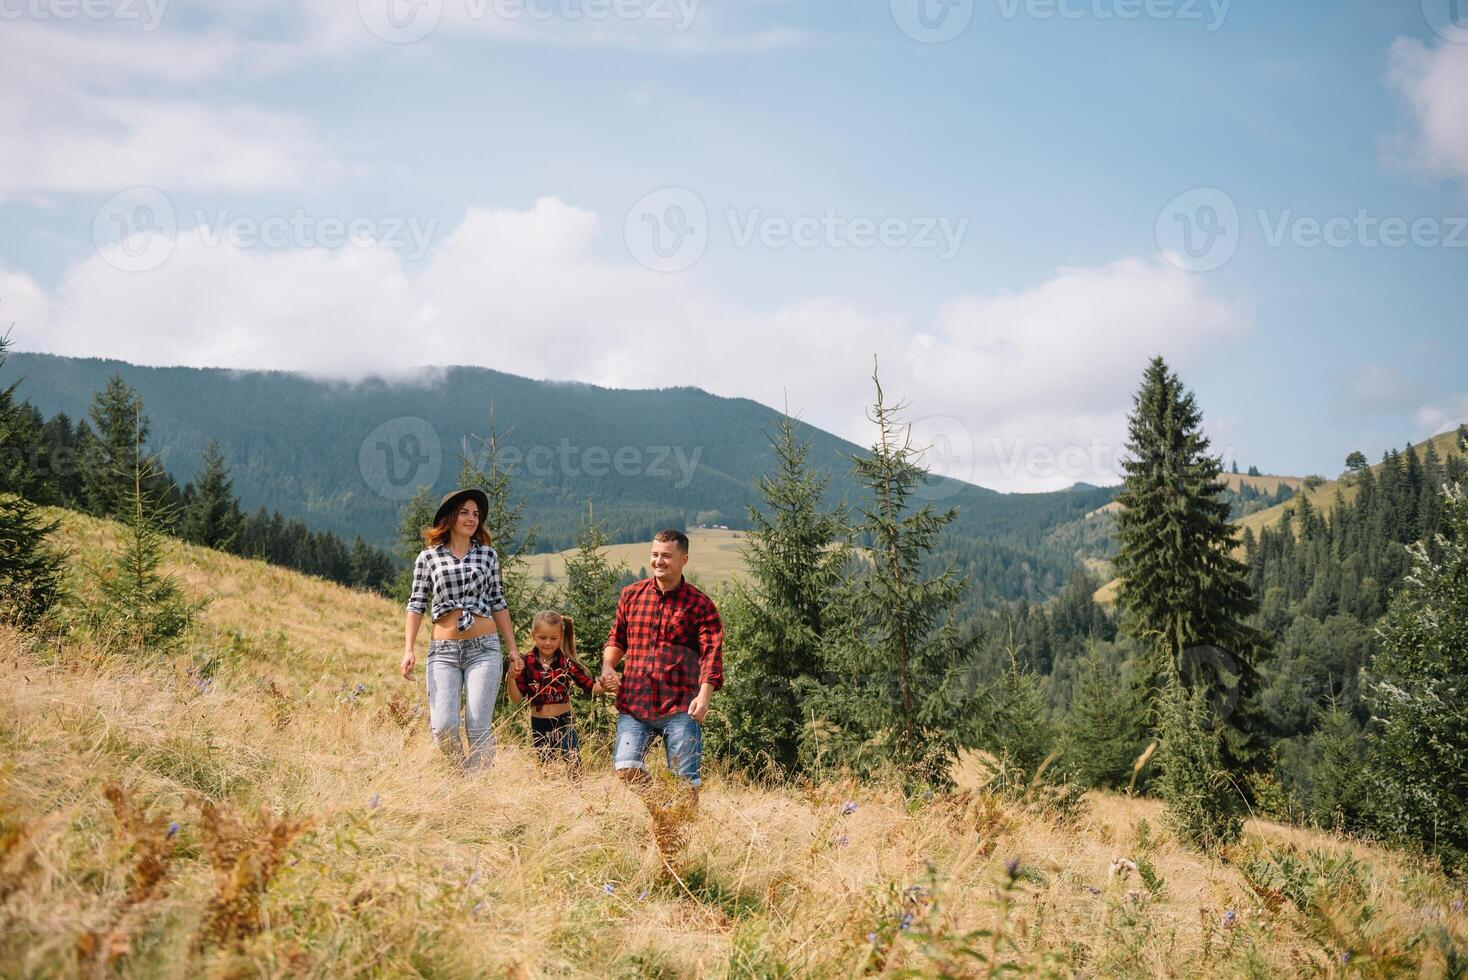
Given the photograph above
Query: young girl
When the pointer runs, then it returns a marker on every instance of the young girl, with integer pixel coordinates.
(550, 670)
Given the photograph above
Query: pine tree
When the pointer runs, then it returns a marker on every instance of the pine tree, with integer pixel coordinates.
(795, 554)
(140, 609)
(1204, 805)
(502, 522)
(111, 452)
(417, 515)
(590, 598)
(1015, 725)
(1182, 591)
(1339, 796)
(1105, 731)
(591, 591)
(1415, 687)
(900, 655)
(30, 568)
(211, 515)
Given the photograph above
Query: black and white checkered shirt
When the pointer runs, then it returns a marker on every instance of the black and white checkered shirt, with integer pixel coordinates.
(471, 583)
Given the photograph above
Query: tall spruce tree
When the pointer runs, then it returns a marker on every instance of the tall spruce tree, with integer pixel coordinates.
(1205, 805)
(1416, 688)
(30, 567)
(590, 598)
(1105, 732)
(211, 514)
(110, 454)
(1182, 590)
(139, 608)
(900, 654)
(485, 469)
(590, 593)
(795, 555)
(416, 517)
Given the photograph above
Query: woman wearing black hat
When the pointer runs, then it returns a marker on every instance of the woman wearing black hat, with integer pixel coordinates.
(459, 574)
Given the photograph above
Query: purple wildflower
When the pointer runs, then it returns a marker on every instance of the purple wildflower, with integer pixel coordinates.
(609, 888)
(905, 923)
(1011, 867)
(173, 828)
(848, 808)
(1229, 918)
(643, 895)
(842, 841)
(376, 799)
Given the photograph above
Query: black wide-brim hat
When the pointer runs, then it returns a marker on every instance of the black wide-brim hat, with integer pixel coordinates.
(453, 499)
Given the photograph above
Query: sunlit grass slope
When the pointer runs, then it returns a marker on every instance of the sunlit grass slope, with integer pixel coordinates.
(267, 803)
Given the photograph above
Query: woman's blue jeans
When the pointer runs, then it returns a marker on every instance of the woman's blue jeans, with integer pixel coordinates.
(467, 673)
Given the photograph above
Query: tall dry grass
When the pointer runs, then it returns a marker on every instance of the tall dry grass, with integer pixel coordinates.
(269, 803)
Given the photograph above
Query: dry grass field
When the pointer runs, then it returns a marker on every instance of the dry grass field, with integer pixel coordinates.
(716, 557)
(267, 803)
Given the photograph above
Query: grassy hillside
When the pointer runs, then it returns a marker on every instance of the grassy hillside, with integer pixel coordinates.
(1266, 483)
(1323, 496)
(715, 557)
(317, 834)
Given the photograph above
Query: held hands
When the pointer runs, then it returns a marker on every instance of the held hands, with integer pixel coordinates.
(609, 680)
(517, 663)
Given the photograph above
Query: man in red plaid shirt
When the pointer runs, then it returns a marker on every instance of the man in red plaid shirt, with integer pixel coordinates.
(670, 641)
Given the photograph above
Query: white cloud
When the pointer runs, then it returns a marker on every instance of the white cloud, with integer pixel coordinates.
(71, 120)
(1446, 416)
(346, 27)
(1433, 81)
(1380, 387)
(1025, 390)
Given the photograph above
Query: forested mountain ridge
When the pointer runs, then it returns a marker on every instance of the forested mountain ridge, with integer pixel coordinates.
(345, 457)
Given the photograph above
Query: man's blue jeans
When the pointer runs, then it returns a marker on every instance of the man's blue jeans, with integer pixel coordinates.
(682, 740)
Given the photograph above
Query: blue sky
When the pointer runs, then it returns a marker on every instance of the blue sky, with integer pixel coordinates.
(757, 197)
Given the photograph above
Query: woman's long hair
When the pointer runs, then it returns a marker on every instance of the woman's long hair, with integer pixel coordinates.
(439, 533)
(549, 617)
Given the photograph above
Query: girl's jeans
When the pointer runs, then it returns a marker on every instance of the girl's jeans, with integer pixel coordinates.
(466, 671)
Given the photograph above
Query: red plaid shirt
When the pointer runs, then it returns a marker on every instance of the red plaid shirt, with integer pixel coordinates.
(546, 683)
(673, 643)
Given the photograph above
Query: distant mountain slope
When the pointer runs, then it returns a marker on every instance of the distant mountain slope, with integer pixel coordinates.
(1322, 498)
(1266, 483)
(344, 457)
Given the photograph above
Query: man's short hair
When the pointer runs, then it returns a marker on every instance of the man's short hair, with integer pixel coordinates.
(669, 535)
